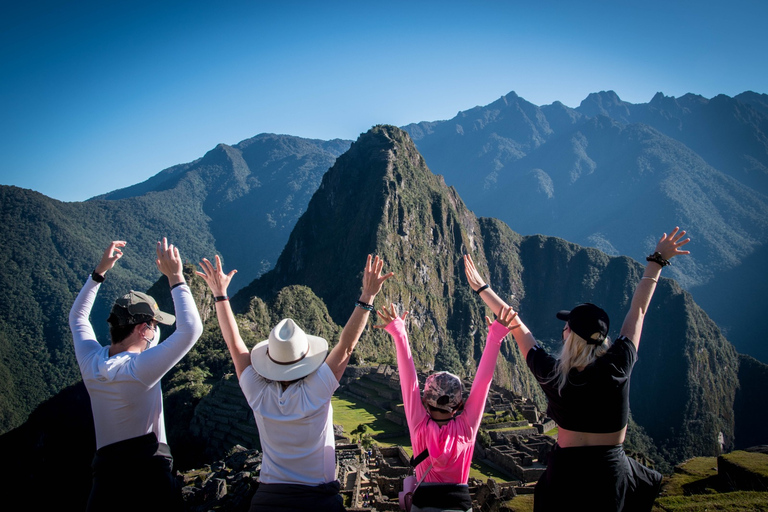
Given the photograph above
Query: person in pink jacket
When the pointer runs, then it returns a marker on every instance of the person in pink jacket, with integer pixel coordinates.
(439, 421)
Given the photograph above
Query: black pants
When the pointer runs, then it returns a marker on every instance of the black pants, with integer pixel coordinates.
(595, 478)
(135, 474)
(289, 497)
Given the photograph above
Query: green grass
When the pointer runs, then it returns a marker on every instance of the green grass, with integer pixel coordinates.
(695, 470)
(732, 501)
(349, 413)
(484, 472)
(520, 503)
(695, 487)
(755, 462)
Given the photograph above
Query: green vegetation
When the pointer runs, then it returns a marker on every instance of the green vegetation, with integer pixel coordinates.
(502, 417)
(351, 413)
(753, 462)
(484, 472)
(551, 433)
(520, 503)
(696, 486)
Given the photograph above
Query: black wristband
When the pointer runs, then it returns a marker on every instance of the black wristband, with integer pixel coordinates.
(364, 305)
(220, 298)
(178, 284)
(482, 289)
(657, 258)
(97, 277)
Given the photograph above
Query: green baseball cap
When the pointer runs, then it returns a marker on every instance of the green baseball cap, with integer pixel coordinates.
(136, 307)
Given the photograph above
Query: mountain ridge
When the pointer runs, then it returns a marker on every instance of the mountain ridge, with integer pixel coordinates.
(541, 188)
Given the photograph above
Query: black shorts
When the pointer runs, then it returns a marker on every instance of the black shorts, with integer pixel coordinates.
(595, 478)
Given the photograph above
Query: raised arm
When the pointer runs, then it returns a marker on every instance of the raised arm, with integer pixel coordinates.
(82, 331)
(152, 364)
(409, 381)
(218, 282)
(339, 356)
(667, 248)
(475, 405)
(523, 337)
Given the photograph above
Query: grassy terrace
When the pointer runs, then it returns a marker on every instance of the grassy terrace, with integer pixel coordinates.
(349, 413)
(695, 487)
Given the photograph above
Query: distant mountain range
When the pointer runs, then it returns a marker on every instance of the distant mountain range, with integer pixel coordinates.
(614, 185)
(613, 175)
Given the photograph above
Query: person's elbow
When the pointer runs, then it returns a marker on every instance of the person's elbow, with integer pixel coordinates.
(197, 328)
(192, 329)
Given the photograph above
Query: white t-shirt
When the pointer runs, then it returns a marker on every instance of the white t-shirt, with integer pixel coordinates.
(295, 426)
(126, 398)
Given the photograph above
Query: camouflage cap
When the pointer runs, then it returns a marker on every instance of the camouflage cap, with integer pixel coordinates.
(136, 307)
(443, 390)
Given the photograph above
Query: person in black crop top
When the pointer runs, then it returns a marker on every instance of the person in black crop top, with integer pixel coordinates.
(587, 388)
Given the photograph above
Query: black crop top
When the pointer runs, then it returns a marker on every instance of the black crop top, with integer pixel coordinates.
(595, 399)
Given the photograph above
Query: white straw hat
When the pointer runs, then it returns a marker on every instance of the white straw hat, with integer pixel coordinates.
(289, 353)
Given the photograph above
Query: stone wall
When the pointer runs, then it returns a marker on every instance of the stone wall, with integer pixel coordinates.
(223, 419)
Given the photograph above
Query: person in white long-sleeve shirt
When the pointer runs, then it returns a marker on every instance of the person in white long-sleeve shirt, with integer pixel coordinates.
(133, 466)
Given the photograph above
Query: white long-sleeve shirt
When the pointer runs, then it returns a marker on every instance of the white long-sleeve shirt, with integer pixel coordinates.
(126, 398)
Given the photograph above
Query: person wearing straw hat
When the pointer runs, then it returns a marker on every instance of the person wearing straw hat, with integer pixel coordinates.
(123, 382)
(288, 380)
(587, 389)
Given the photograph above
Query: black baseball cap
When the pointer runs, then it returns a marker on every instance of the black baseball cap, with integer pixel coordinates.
(588, 321)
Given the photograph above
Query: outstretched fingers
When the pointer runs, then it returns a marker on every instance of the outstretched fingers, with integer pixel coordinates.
(214, 275)
(507, 317)
(388, 315)
(372, 278)
(669, 245)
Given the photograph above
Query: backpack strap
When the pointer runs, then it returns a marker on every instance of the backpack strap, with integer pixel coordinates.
(419, 458)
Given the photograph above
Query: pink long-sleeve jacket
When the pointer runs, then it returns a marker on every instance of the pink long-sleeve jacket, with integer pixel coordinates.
(450, 446)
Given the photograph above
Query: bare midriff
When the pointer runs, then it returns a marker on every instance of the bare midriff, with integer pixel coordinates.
(570, 438)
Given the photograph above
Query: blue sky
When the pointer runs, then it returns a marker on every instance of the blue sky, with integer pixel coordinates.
(96, 96)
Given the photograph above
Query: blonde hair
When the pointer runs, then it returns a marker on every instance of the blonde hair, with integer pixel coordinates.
(576, 353)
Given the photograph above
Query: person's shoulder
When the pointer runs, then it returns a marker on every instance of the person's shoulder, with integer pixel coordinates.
(323, 373)
(323, 377)
(250, 378)
(537, 353)
(622, 344)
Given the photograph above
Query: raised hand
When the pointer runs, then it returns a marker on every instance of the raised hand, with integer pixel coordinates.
(473, 276)
(215, 277)
(169, 262)
(669, 246)
(110, 256)
(372, 278)
(387, 315)
(507, 318)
